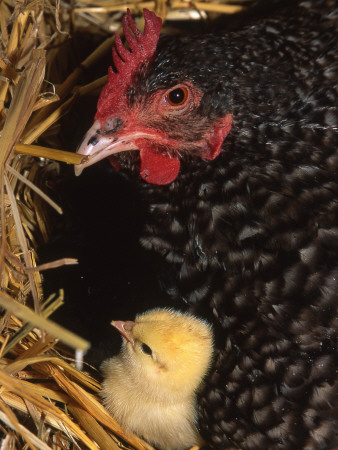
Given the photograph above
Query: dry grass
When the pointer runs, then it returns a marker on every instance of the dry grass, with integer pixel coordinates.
(46, 399)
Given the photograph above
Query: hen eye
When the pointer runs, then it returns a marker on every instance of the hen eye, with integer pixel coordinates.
(177, 96)
(146, 349)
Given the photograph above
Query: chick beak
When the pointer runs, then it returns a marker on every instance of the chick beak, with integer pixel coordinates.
(99, 143)
(125, 328)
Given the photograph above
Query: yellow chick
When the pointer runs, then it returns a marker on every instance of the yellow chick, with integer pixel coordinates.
(150, 387)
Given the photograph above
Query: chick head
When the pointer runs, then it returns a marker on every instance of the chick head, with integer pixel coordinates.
(170, 349)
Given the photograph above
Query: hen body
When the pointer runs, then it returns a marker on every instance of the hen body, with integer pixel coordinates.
(250, 239)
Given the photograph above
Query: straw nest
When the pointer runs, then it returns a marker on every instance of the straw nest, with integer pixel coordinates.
(46, 399)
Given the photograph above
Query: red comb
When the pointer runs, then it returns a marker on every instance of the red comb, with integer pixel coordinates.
(143, 47)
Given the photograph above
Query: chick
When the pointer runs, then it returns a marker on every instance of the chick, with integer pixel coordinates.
(150, 386)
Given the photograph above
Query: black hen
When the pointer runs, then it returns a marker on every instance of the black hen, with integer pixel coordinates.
(248, 227)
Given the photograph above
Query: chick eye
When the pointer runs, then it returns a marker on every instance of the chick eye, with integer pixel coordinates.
(146, 349)
(177, 96)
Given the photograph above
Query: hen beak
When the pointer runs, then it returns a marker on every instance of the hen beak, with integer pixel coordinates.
(125, 328)
(98, 144)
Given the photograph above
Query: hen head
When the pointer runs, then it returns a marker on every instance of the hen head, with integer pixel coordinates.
(159, 115)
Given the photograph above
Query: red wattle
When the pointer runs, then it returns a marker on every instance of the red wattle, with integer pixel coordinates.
(157, 168)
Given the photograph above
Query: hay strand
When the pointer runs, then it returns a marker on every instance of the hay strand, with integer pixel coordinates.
(24, 313)
(34, 188)
(22, 104)
(49, 153)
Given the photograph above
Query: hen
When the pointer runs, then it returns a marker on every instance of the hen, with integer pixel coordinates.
(234, 140)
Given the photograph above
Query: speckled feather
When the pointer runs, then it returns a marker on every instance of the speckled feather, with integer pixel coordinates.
(251, 238)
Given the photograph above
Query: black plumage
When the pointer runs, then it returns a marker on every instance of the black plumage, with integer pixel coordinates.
(249, 240)
(253, 235)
